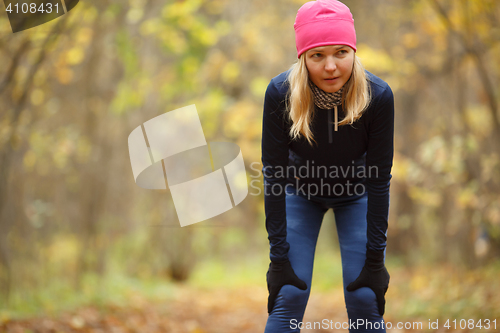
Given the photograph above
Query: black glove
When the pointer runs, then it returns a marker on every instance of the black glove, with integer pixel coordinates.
(374, 275)
(279, 274)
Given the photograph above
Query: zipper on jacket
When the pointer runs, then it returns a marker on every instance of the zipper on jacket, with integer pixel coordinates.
(330, 134)
(336, 118)
(330, 126)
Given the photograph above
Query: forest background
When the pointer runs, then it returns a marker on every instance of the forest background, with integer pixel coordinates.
(75, 229)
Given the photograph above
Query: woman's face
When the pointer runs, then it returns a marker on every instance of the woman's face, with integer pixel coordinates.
(330, 66)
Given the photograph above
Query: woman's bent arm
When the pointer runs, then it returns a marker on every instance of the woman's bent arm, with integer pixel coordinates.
(275, 162)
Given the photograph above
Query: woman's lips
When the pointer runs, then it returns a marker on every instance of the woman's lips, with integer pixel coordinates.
(331, 79)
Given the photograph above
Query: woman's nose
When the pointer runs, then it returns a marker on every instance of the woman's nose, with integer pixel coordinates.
(330, 65)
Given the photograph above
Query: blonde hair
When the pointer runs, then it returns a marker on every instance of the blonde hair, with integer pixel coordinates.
(300, 98)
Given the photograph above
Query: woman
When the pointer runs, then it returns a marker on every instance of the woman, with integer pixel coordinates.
(327, 142)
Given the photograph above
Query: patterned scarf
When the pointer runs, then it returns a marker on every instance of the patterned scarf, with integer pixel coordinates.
(325, 100)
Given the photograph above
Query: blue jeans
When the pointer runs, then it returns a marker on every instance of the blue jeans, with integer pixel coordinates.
(304, 217)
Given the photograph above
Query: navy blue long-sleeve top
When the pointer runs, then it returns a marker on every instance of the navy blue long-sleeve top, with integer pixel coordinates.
(355, 159)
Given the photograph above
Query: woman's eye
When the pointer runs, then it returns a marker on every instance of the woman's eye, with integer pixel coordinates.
(342, 52)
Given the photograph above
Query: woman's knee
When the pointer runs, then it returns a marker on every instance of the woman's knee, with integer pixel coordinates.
(293, 297)
(362, 298)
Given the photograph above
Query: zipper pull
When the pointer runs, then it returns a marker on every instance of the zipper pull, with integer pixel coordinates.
(329, 124)
(336, 118)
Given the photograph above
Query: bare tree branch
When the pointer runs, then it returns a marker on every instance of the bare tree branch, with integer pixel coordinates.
(14, 64)
(478, 59)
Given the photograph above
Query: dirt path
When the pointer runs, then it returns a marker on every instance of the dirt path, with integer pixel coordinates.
(189, 311)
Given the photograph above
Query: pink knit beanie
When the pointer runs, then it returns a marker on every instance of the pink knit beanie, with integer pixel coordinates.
(323, 22)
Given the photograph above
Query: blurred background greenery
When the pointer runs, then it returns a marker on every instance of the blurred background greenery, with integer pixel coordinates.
(75, 228)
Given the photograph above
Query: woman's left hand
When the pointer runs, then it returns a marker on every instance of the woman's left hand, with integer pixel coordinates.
(374, 275)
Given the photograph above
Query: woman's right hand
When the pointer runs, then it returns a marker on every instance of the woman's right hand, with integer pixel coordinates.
(279, 274)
